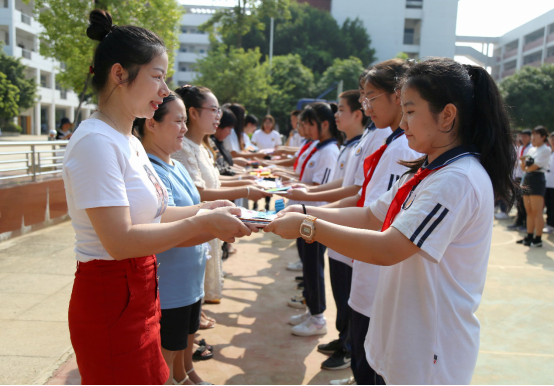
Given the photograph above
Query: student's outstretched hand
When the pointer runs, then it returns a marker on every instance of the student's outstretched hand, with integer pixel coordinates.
(294, 194)
(256, 193)
(217, 204)
(287, 226)
(290, 209)
(223, 224)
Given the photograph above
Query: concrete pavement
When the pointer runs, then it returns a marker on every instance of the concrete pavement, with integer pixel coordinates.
(252, 340)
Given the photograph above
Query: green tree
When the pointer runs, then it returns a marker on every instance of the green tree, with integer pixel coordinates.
(246, 15)
(290, 81)
(235, 75)
(529, 95)
(314, 35)
(14, 71)
(9, 98)
(347, 70)
(402, 55)
(65, 22)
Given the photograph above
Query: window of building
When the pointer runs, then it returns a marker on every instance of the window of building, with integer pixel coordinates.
(183, 49)
(551, 29)
(202, 51)
(412, 31)
(6, 4)
(183, 29)
(43, 80)
(512, 46)
(418, 4)
(538, 34)
(550, 52)
(510, 65)
(536, 57)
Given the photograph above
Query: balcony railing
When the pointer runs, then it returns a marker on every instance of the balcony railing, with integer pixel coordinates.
(508, 72)
(25, 19)
(26, 54)
(533, 44)
(29, 160)
(411, 39)
(549, 60)
(536, 63)
(509, 54)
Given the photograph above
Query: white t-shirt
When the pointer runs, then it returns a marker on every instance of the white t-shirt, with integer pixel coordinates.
(296, 140)
(424, 329)
(320, 167)
(372, 140)
(102, 168)
(345, 169)
(266, 141)
(517, 170)
(387, 172)
(541, 155)
(550, 175)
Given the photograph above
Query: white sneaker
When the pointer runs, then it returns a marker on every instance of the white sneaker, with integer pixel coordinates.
(297, 301)
(501, 216)
(548, 229)
(296, 266)
(309, 327)
(345, 381)
(295, 320)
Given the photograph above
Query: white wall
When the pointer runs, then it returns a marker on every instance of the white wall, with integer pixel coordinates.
(438, 35)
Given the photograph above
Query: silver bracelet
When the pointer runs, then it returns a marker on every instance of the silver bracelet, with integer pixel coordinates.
(247, 191)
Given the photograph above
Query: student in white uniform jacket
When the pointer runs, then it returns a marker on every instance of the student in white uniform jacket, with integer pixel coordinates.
(436, 226)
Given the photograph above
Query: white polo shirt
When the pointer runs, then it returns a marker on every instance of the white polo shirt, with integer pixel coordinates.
(424, 329)
(266, 140)
(387, 172)
(541, 155)
(372, 140)
(347, 164)
(521, 151)
(320, 166)
(303, 156)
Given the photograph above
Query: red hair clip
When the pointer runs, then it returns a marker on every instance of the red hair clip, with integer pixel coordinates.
(91, 69)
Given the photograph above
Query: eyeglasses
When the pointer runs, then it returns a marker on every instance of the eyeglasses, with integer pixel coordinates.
(368, 103)
(215, 110)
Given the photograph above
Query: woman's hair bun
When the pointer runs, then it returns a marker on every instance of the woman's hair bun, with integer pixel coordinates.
(334, 107)
(100, 24)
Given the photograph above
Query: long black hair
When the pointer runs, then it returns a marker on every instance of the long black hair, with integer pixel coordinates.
(130, 46)
(240, 114)
(482, 118)
(320, 112)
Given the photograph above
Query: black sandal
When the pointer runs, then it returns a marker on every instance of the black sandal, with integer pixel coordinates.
(198, 354)
(202, 342)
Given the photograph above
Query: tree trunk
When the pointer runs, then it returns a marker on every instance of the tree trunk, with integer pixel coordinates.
(82, 98)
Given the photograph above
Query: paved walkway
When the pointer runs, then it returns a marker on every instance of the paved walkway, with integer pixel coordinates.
(252, 340)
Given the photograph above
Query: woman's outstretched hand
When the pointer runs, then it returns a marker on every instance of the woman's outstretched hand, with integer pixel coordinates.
(223, 224)
(286, 225)
(217, 204)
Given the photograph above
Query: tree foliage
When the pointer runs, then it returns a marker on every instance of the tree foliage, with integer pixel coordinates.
(314, 35)
(529, 95)
(9, 98)
(65, 22)
(235, 75)
(347, 70)
(14, 71)
(246, 15)
(290, 81)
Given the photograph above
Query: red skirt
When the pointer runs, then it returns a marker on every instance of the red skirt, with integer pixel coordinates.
(114, 322)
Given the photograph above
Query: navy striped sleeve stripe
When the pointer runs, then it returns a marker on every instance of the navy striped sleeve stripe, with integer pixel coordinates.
(325, 175)
(425, 222)
(432, 227)
(392, 180)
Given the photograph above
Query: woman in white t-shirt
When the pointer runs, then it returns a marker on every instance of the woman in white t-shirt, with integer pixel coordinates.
(116, 203)
(203, 114)
(267, 138)
(534, 164)
(436, 226)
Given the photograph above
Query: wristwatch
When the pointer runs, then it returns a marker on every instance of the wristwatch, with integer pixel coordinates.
(307, 229)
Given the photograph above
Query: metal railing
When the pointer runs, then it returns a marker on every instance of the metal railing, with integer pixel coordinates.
(30, 159)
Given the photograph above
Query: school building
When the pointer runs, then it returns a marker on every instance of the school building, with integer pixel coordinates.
(531, 44)
(19, 33)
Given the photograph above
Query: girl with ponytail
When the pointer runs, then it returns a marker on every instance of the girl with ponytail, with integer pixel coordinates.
(431, 232)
